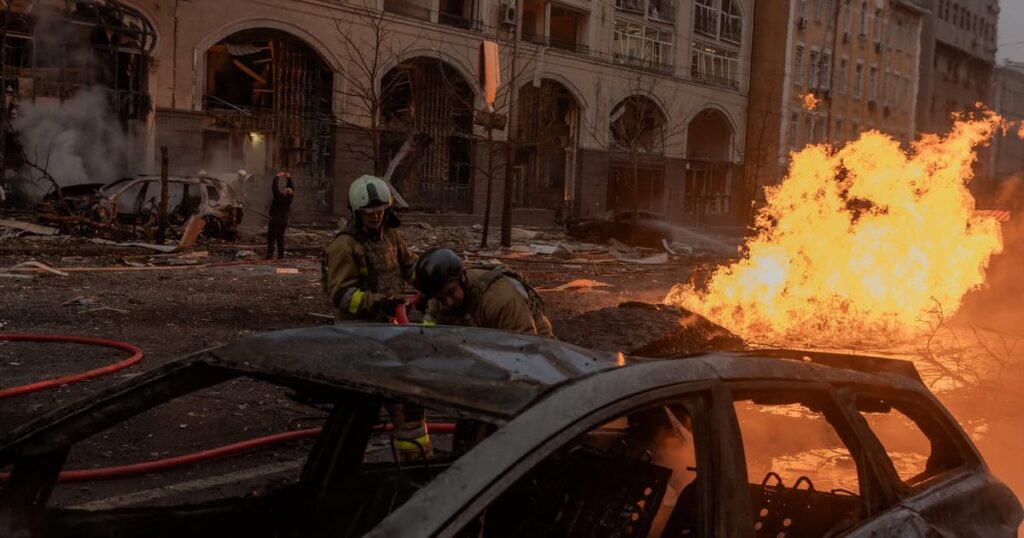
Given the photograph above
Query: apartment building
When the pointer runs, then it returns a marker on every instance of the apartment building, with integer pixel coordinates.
(859, 61)
(1007, 150)
(629, 104)
(959, 43)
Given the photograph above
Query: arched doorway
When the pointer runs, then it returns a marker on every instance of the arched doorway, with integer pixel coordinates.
(428, 98)
(546, 137)
(636, 179)
(707, 190)
(269, 101)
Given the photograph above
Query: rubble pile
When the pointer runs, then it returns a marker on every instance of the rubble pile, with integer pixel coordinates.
(647, 330)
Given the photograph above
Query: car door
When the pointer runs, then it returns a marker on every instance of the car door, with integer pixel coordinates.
(627, 452)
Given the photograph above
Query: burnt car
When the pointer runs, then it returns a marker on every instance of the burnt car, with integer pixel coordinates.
(551, 440)
(640, 228)
(135, 201)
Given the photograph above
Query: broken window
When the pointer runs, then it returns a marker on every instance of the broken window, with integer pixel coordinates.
(803, 473)
(56, 52)
(534, 21)
(639, 474)
(458, 13)
(269, 100)
(913, 439)
(547, 132)
(425, 96)
(567, 30)
(640, 187)
(709, 172)
(637, 124)
(641, 45)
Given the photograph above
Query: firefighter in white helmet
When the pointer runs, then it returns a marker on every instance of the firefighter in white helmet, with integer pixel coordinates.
(365, 269)
(367, 265)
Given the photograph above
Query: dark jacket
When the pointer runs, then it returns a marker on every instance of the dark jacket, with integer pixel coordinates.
(282, 203)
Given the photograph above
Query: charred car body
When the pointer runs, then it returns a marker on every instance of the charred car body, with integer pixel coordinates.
(554, 440)
(135, 201)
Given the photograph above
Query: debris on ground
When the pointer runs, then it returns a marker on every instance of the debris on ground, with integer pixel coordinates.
(580, 283)
(646, 330)
(28, 227)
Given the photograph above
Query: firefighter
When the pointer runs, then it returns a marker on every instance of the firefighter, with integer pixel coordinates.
(495, 298)
(367, 265)
(280, 206)
(364, 271)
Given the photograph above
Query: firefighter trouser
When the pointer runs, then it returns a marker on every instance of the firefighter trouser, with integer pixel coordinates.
(409, 431)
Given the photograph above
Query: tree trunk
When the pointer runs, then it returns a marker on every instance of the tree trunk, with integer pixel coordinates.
(490, 186)
(161, 230)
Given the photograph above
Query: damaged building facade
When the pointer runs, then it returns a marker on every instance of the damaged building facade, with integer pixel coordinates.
(633, 105)
(54, 50)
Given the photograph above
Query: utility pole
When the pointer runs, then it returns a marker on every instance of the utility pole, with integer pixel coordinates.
(510, 146)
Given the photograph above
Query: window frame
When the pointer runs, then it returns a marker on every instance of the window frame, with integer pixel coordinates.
(876, 489)
(971, 461)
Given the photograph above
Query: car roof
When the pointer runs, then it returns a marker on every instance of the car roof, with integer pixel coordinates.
(191, 180)
(499, 373)
(480, 373)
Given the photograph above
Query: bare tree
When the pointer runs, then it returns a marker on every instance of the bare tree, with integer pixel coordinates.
(371, 49)
(514, 63)
(639, 130)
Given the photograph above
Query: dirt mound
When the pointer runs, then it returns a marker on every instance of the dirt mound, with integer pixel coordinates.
(649, 330)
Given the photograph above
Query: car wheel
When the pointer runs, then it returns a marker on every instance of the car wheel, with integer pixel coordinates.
(82, 228)
(213, 228)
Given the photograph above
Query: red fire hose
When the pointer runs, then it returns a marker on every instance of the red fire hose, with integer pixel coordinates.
(132, 469)
(136, 356)
(119, 471)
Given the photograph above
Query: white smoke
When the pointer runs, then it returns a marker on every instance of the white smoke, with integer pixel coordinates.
(77, 141)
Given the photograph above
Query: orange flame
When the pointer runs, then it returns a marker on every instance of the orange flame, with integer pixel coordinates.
(810, 102)
(858, 243)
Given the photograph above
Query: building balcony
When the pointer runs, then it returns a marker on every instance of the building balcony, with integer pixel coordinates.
(646, 65)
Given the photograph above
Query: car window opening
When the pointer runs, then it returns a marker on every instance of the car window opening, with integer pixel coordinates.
(635, 475)
(914, 441)
(803, 478)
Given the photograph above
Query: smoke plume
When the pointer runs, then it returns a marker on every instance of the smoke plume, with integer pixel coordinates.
(77, 141)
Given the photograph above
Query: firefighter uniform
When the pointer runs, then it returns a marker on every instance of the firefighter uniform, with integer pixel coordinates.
(362, 268)
(364, 271)
(498, 299)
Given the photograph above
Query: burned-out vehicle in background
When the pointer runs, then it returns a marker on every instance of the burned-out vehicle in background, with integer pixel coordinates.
(552, 440)
(135, 201)
(637, 228)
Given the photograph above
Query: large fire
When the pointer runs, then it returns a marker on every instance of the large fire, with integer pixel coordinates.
(858, 243)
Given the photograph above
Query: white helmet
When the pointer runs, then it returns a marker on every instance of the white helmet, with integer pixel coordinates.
(369, 191)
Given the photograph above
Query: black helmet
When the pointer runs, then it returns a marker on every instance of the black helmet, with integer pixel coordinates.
(435, 268)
